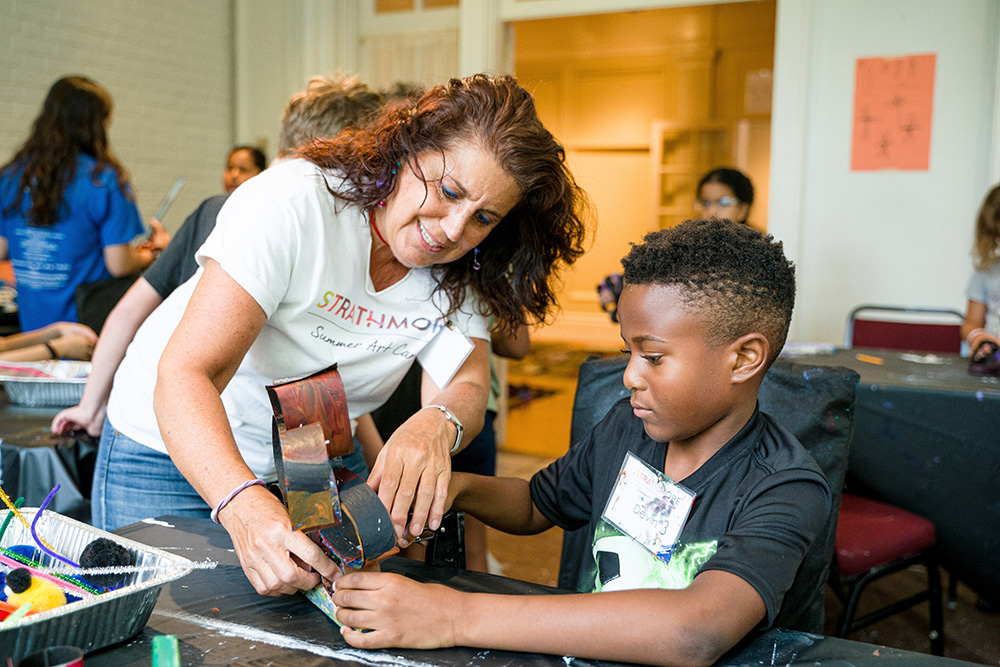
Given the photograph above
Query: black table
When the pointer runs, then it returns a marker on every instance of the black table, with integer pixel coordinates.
(32, 469)
(220, 620)
(927, 439)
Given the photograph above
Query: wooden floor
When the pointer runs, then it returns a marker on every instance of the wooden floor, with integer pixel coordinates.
(538, 431)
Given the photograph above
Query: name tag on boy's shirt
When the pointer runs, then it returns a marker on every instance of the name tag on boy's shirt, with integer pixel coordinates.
(648, 506)
(444, 354)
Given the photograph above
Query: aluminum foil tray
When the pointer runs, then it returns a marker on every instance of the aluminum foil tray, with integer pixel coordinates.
(94, 622)
(56, 383)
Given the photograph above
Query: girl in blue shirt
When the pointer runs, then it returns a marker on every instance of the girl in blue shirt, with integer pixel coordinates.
(67, 214)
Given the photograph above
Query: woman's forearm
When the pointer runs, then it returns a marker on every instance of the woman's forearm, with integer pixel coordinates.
(466, 395)
(196, 432)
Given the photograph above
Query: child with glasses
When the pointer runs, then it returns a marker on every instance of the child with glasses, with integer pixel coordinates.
(725, 193)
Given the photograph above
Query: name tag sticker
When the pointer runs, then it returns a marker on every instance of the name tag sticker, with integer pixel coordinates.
(444, 354)
(648, 506)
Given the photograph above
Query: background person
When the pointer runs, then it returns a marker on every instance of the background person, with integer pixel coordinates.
(355, 254)
(62, 340)
(324, 108)
(321, 111)
(67, 214)
(982, 313)
(725, 193)
(243, 163)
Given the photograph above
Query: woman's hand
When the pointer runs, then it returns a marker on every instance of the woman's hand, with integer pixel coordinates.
(78, 418)
(396, 611)
(414, 469)
(276, 559)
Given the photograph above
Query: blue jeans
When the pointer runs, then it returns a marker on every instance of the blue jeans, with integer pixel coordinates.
(133, 482)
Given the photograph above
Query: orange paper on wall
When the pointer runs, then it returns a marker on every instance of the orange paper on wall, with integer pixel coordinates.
(893, 104)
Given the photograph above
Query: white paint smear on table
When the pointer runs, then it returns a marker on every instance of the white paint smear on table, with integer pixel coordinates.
(372, 658)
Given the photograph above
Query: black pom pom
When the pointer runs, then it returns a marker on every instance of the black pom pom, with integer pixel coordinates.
(103, 552)
(19, 580)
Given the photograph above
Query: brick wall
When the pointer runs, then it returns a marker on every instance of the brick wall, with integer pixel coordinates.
(168, 66)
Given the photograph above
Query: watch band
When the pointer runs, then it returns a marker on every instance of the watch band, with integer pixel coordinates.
(454, 420)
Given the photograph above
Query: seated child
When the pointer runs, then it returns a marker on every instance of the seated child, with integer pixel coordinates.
(704, 312)
(981, 327)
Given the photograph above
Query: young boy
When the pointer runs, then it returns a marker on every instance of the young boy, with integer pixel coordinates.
(704, 312)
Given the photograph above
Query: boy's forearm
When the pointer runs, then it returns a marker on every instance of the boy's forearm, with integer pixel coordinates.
(503, 503)
(641, 626)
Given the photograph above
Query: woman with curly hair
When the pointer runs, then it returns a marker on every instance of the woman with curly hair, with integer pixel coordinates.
(67, 214)
(444, 210)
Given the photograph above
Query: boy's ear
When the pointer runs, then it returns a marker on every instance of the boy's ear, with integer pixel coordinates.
(750, 353)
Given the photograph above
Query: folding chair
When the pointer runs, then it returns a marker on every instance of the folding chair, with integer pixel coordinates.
(874, 540)
(904, 328)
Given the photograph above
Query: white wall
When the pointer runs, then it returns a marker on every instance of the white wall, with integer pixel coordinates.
(171, 84)
(899, 237)
(892, 236)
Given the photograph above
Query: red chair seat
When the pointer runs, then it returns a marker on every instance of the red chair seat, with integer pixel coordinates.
(900, 533)
(922, 337)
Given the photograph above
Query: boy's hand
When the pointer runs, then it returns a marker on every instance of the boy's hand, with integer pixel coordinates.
(395, 611)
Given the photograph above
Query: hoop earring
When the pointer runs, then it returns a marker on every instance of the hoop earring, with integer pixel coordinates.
(475, 259)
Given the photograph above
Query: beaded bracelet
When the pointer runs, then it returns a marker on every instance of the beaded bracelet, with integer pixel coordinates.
(225, 501)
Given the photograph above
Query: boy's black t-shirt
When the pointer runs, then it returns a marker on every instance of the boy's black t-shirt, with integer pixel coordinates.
(760, 502)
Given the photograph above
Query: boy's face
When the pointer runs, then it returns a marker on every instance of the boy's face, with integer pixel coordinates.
(680, 385)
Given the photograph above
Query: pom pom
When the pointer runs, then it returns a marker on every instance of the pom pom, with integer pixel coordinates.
(19, 580)
(103, 552)
(40, 593)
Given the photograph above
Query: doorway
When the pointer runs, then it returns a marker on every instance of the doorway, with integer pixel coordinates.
(645, 102)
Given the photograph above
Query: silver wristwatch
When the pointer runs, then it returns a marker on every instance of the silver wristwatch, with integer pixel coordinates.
(454, 420)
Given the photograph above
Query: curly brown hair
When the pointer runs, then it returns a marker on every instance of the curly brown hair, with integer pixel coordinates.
(544, 232)
(73, 120)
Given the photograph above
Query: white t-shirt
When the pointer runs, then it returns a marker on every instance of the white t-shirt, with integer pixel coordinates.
(304, 258)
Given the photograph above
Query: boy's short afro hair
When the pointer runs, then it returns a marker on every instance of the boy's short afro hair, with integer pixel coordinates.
(738, 278)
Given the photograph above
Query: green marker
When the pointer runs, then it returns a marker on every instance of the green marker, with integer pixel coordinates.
(166, 652)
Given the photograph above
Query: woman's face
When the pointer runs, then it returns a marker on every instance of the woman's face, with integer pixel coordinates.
(239, 168)
(716, 200)
(462, 197)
